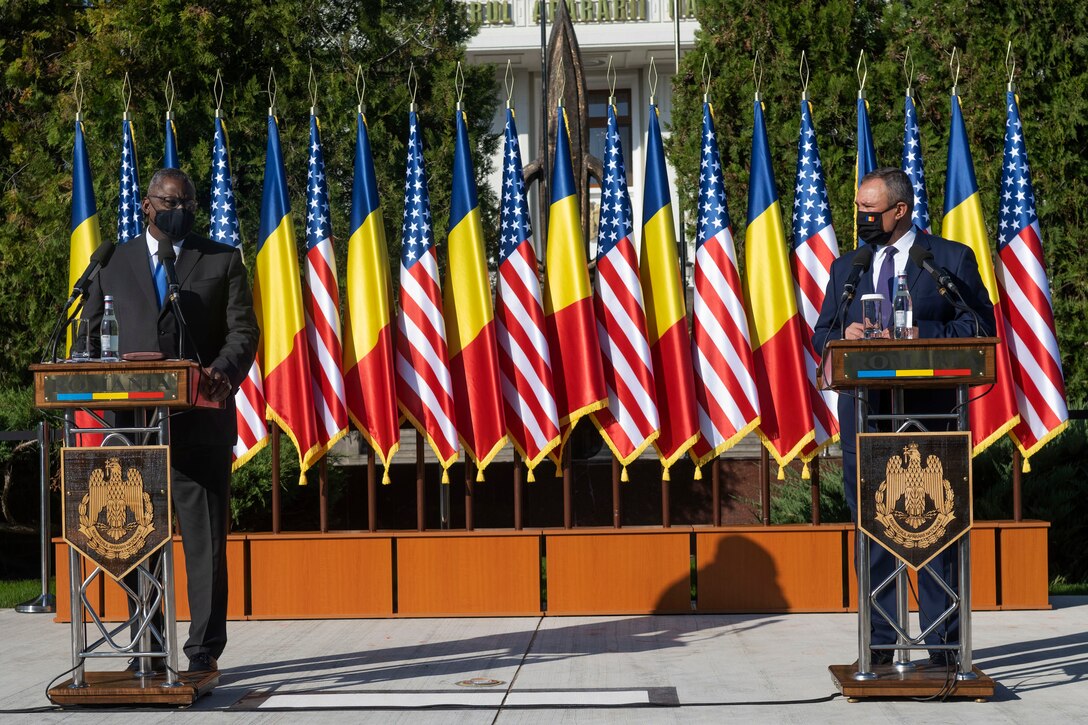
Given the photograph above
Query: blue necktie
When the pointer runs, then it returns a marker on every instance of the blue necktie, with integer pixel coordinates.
(160, 281)
(884, 279)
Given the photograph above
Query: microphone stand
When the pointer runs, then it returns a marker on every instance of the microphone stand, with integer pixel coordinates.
(173, 289)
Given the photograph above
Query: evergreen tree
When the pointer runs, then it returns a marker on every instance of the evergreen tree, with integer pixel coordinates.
(44, 43)
(1050, 43)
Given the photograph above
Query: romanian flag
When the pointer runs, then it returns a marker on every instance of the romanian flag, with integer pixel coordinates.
(369, 376)
(866, 156)
(993, 414)
(277, 299)
(170, 154)
(86, 236)
(786, 423)
(666, 317)
(470, 319)
(568, 299)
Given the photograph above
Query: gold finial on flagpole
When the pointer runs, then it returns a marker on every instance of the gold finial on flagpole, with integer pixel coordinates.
(459, 86)
(126, 96)
(360, 89)
(652, 77)
(311, 85)
(271, 92)
(1010, 67)
(757, 74)
(707, 73)
(168, 91)
(610, 74)
(217, 93)
(803, 69)
(863, 74)
(954, 66)
(77, 93)
(508, 81)
(909, 71)
(413, 87)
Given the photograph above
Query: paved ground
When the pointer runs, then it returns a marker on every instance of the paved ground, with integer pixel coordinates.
(770, 668)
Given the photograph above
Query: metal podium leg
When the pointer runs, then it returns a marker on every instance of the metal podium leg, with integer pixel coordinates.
(902, 582)
(865, 612)
(170, 615)
(966, 664)
(75, 608)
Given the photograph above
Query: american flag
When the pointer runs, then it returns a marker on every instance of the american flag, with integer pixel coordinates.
(424, 387)
(130, 217)
(912, 164)
(321, 302)
(630, 422)
(721, 350)
(1025, 299)
(528, 391)
(249, 400)
(815, 247)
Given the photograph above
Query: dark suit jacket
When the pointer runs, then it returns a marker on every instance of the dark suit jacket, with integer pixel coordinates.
(934, 316)
(217, 305)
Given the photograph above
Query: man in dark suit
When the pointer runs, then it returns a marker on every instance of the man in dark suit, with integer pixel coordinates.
(221, 335)
(885, 200)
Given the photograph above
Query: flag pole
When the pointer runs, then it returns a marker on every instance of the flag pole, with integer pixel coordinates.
(681, 234)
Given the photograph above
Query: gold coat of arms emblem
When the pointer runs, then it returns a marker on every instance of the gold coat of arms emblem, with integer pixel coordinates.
(116, 503)
(915, 503)
(116, 515)
(914, 491)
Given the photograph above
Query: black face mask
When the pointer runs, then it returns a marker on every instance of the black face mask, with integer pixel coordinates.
(871, 228)
(175, 223)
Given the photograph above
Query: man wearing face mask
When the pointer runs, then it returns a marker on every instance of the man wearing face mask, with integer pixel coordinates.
(885, 200)
(221, 335)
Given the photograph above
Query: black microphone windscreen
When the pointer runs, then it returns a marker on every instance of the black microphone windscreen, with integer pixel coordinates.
(919, 255)
(104, 252)
(864, 257)
(166, 251)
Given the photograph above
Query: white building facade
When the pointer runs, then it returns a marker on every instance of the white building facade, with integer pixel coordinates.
(630, 33)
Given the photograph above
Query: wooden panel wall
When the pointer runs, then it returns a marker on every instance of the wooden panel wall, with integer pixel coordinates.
(302, 576)
(619, 571)
(587, 571)
(467, 573)
(784, 569)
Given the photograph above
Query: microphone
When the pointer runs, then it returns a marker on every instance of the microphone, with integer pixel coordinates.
(924, 259)
(100, 257)
(862, 260)
(168, 256)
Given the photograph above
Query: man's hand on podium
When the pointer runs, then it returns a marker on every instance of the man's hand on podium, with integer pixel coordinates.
(216, 387)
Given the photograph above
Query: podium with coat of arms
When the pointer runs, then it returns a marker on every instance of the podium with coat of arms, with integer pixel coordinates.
(117, 519)
(914, 500)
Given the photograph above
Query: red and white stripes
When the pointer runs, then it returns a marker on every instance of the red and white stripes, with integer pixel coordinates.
(424, 388)
(322, 305)
(811, 272)
(721, 349)
(250, 410)
(1029, 334)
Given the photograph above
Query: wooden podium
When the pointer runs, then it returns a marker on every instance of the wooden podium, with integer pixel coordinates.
(858, 367)
(116, 511)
